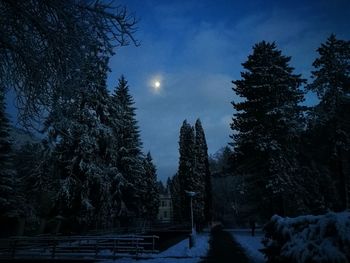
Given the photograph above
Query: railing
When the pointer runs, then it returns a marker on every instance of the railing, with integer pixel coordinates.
(76, 246)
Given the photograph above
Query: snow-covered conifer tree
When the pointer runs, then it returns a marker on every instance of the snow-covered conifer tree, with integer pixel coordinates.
(176, 197)
(151, 195)
(266, 126)
(330, 122)
(8, 195)
(37, 184)
(128, 145)
(78, 128)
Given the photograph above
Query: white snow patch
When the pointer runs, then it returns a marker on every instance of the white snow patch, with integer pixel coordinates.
(182, 249)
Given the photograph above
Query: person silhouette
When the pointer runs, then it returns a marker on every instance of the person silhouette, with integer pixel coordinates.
(252, 226)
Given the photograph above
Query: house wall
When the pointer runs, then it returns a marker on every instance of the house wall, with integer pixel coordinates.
(165, 214)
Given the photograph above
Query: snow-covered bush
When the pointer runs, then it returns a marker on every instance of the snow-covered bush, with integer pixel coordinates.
(308, 239)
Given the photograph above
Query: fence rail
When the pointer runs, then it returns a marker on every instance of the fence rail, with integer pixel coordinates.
(76, 246)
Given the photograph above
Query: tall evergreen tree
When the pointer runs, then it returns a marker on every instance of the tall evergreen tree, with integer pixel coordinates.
(176, 195)
(37, 185)
(167, 187)
(186, 174)
(330, 123)
(193, 174)
(78, 128)
(266, 126)
(202, 171)
(151, 196)
(161, 188)
(128, 144)
(8, 194)
(221, 162)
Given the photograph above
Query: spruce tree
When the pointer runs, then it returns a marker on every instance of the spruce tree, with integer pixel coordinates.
(161, 188)
(176, 197)
(8, 195)
(330, 123)
(77, 127)
(151, 195)
(266, 127)
(128, 145)
(37, 185)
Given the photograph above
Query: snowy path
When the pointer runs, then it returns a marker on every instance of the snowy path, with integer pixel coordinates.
(224, 249)
(177, 253)
(249, 244)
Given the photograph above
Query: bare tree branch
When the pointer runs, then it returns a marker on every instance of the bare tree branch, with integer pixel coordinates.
(43, 43)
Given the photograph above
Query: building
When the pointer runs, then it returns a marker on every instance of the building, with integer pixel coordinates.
(165, 213)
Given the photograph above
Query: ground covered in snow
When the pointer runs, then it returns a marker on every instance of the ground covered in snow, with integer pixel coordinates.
(250, 244)
(177, 253)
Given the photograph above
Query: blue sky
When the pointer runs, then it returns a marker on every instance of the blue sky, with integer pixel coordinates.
(196, 48)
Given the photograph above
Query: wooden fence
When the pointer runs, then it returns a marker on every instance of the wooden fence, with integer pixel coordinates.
(71, 247)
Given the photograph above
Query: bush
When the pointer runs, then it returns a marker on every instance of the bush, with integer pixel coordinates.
(308, 239)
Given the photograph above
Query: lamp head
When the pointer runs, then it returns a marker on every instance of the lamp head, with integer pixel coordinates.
(190, 193)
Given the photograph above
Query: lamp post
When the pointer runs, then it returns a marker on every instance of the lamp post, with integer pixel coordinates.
(191, 194)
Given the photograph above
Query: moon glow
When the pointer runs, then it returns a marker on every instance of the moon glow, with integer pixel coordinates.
(157, 84)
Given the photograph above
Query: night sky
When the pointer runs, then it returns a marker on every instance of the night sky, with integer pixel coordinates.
(195, 49)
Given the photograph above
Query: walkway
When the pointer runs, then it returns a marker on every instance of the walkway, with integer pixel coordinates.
(224, 249)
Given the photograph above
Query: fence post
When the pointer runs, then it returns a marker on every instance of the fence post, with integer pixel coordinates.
(96, 248)
(14, 248)
(136, 241)
(53, 249)
(114, 248)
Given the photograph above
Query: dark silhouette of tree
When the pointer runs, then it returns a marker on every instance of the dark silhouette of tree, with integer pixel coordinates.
(10, 208)
(186, 176)
(78, 130)
(175, 191)
(151, 195)
(202, 170)
(128, 145)
(329, 122)
(266, 127)
(193, 175)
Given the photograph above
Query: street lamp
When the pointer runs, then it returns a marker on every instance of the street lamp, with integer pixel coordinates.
(191, 194)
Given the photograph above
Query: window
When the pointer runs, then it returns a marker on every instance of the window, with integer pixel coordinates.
(163, 203)
(165, 214)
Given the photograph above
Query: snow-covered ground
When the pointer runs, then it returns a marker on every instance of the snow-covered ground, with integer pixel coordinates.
(177, 253)
(251, 245)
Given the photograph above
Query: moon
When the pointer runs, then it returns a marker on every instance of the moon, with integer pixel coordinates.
(157, 84)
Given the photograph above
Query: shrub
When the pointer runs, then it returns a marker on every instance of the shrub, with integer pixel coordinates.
(308, 239)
